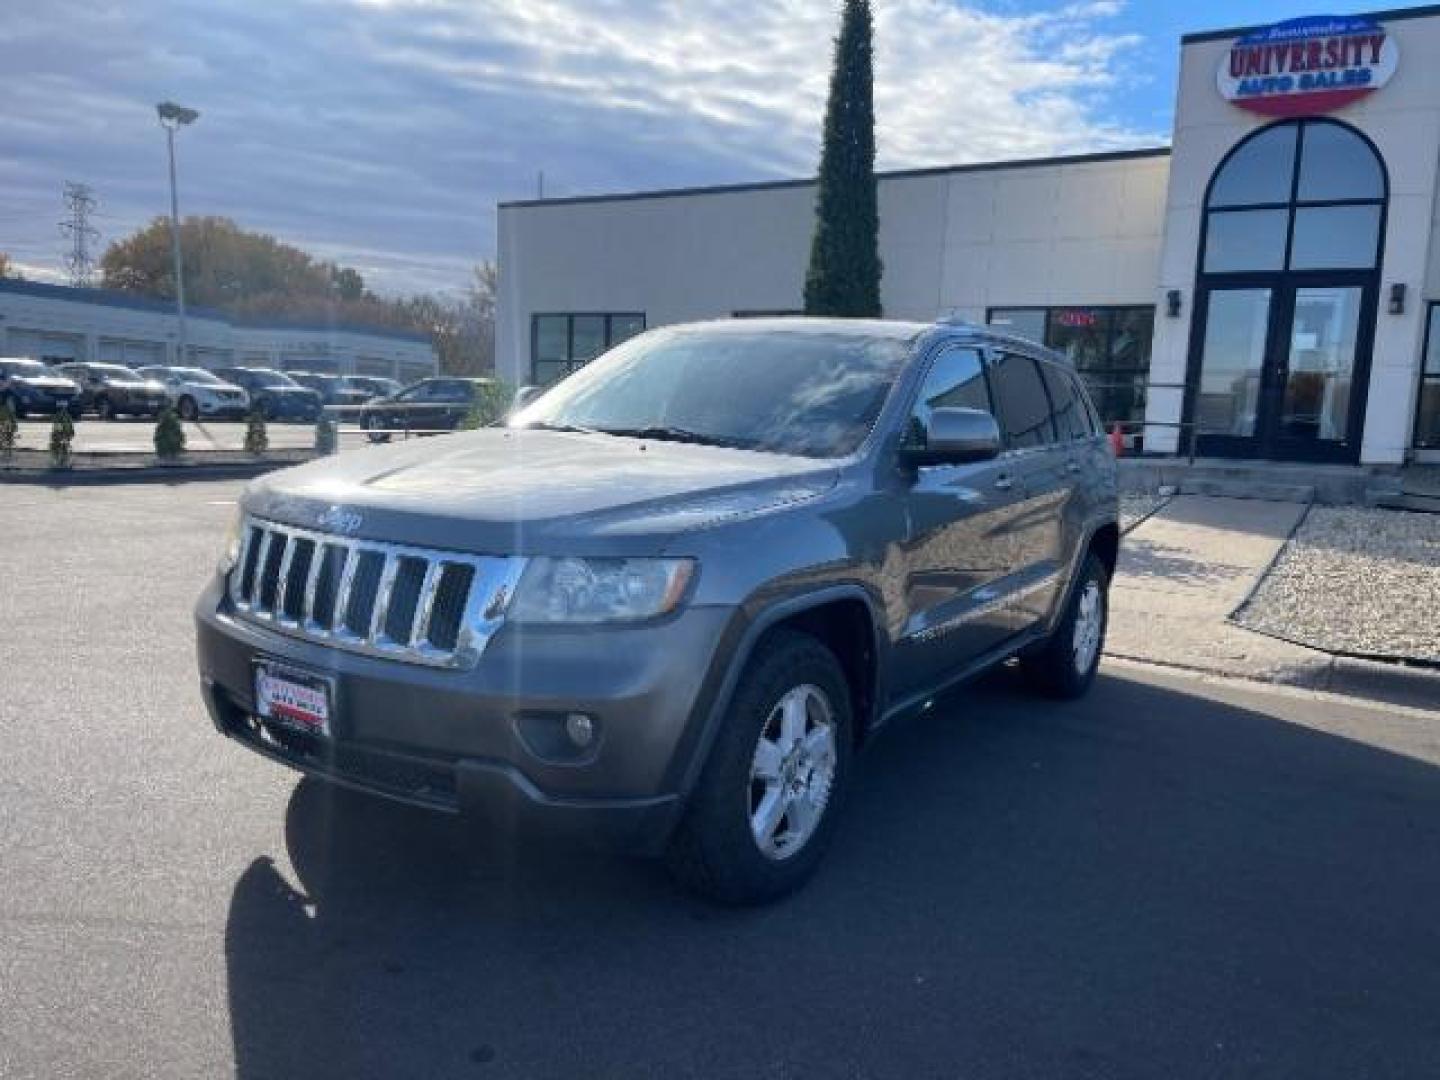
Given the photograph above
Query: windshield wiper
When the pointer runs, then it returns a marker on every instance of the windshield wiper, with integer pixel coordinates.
(679, 435)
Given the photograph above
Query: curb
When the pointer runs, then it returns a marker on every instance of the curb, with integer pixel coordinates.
(145, 474)
(1389, 683)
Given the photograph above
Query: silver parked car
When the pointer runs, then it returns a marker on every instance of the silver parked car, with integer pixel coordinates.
(668, 604)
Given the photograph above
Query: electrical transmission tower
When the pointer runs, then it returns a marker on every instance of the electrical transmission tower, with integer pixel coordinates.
(79, 233)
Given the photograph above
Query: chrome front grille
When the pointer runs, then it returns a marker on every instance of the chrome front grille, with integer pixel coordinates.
(438, 608)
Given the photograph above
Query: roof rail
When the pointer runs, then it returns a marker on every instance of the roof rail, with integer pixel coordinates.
(952, 319)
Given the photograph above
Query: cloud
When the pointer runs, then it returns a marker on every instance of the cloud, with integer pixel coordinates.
(382, 132)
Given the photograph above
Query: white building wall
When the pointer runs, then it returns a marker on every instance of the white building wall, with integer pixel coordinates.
(953, 241)
(1403, 120)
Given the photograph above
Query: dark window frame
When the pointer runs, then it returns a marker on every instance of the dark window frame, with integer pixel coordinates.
(1431, 310)
(570, 362)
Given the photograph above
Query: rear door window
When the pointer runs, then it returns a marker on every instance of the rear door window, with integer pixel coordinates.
(1070, 420)
(1024, 405)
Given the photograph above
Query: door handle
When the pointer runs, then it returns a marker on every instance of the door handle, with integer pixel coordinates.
(1004, 483)
(1072, 466)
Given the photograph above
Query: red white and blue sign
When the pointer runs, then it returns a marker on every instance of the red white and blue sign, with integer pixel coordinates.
(1301, 67)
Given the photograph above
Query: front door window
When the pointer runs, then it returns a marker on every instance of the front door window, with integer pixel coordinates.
(1232, 362)
(1324, 333)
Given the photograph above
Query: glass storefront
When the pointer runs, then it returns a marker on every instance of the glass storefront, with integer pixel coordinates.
(1109, 346)
(1427, 419)
(1286, 303)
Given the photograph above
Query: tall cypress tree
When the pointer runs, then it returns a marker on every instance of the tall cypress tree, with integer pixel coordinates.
(844, 274)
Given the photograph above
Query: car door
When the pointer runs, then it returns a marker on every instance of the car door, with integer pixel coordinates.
(1085, 454)
(959, 524)
(1043, 482)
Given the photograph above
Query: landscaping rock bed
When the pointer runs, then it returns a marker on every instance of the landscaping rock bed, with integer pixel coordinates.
(1365, 582)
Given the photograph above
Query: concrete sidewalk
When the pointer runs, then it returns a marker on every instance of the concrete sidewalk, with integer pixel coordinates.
(1185, 569)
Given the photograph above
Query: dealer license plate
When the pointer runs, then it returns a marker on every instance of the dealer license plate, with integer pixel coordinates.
(295, 698)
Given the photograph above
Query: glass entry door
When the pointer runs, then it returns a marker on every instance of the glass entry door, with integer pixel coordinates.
(1282, 369)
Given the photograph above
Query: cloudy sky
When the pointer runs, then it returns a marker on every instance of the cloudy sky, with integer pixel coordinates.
(381, 133)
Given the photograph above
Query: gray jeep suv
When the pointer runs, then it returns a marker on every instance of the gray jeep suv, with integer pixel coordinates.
(668, 603)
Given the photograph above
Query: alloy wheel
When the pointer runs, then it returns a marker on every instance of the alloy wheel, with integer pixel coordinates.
(1089, 625)
(792, 772)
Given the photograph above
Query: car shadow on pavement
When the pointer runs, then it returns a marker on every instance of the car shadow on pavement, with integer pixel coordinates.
(1145, 883)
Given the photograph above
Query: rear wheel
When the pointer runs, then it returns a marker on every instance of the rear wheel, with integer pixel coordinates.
(188, 410)
(767, 803)
(15, 406)
(1065, 666)
(373, 431)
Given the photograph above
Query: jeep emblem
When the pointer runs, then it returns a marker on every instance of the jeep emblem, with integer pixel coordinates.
(338, 519)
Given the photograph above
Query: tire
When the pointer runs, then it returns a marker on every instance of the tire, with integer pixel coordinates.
(15, 406)
(717, 851)
(104, 409)
(1065, 665)
(188, 410)
(75, 409)
(374, 434)
(267, 409)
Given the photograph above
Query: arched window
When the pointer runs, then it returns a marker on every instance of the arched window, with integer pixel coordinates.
(1300, 195)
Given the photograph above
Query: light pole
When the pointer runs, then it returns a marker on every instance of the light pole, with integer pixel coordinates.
(174, 116)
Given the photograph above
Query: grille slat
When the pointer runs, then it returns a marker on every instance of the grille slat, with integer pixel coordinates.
(381, 599)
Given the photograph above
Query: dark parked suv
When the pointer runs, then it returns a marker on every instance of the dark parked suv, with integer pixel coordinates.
(274, 394)
(669, 602)
(429, 405)
(113, 390)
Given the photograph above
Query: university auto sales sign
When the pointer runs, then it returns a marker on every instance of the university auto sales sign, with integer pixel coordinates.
(1305, 66)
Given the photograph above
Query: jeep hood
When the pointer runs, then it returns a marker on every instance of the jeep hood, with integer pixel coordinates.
(510, 490)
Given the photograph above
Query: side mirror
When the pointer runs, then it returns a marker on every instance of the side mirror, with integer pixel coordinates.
(524, 396)
(954, 437)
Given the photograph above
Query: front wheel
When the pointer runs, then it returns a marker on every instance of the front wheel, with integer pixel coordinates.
(767, 803)
(189, 411)
(105, 409)
(1065, 665)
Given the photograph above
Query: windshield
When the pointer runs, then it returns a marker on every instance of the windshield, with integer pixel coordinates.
(199, 375)
(272, 379)
(115, 371)
(812, 393)
(28, 369)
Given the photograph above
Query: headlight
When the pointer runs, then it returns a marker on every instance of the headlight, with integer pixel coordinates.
(599, 590)
(230, 554)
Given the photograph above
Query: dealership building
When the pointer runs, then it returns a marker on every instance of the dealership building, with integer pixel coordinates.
(55, 323)
(1268, 286)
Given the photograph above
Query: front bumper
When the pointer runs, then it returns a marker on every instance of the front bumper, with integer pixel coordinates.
(46, 401)
(485, 743)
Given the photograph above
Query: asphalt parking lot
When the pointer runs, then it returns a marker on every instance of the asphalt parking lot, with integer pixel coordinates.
(1172, 878)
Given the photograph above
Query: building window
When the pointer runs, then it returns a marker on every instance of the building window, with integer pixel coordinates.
(766, 313)
(1109, 346)
(560, 344)
(1427, 419)
(1301, 195)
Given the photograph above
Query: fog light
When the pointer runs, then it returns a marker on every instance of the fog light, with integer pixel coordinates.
(580, 728)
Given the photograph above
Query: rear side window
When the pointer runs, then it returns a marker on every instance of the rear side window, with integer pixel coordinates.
(1071, 422)
(956, 381)
(1024, 405)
